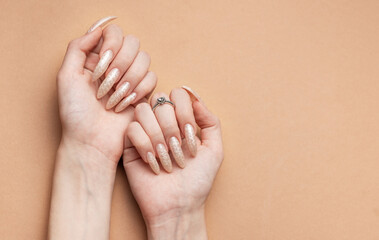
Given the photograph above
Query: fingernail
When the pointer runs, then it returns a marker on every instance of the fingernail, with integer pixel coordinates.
(126, 102)
(117, 95)
(108, 82)
(101, 23)
(177, 152)
(190, 136)
(103, 64)
(153, 162)
(164, 157)
(194, 96)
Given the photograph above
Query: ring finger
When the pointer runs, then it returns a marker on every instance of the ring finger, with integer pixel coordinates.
(165, 115)
(145, 116)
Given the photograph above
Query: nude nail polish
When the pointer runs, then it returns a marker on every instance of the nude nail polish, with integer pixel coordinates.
(177, 152)
(102, 65)
(118, 95)
(153, 163)
(108, 82)
(101, 23)
(190, 136)
(164, 157)
(193, 95)
(126, 102)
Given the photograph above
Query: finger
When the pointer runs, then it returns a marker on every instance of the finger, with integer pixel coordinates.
(209, 124)
(165, 115)
(130, 80)
(120, 64)
(144, 88)
(142, 143)
(185, 117)
(78, 49)
(91, 61)
(145, 116)
(112, 37)
(98, 46)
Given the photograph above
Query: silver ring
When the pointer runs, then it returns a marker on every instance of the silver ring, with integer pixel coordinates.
(161, 101)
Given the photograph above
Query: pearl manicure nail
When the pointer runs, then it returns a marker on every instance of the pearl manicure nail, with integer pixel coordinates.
(108, 82)
(153, 162)
(164, 157)
(117, 95)
(177, 152)
(190, 136)
(101, 23)
(193, 95)
(126, 102)
(103, 64)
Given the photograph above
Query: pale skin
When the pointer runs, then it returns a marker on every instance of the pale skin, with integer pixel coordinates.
(94, 138)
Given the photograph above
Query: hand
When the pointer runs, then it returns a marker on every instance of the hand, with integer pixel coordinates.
(85, 119)
(173, 203)
(92, 137)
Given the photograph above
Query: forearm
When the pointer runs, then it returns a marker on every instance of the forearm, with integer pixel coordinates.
(178, 226)
(81, 196)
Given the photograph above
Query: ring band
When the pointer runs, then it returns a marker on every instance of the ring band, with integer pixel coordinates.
(161, 101)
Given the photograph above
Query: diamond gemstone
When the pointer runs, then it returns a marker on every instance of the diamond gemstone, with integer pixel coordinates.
(161, 100)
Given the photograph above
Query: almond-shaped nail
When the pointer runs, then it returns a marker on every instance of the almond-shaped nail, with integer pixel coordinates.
(108, 82)
(189, 134)
(102, 65)
(193, 95)
(126, 102)
(164, 157)
(153, 162)
(101, 23)
(118, 95)
(177, 152)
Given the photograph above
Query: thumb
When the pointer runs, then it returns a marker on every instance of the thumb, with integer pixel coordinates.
(210, 127)
(78, 49)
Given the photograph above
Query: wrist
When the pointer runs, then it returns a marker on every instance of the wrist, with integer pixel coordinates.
(178, 224)
(82, 193)
(83, 155)
(85, 167)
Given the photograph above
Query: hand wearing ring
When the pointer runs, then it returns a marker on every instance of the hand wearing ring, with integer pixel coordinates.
(182, 192)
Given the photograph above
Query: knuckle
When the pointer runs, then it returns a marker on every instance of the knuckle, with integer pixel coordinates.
(144, 55)
(133, 39)
(113, 27)
(217, 121)
(177, 91)
(152, 76)
(73, 44)
(142, 144)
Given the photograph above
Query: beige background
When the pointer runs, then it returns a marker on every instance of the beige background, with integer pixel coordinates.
(294, 82)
